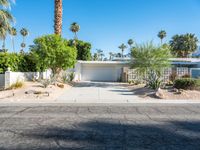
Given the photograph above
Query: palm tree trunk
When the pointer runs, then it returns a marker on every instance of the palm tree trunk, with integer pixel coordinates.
(75, 36)
(4, 44)
(58, 17)
(13, 44)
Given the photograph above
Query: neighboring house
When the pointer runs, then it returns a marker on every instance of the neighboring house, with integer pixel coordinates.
(113, 71)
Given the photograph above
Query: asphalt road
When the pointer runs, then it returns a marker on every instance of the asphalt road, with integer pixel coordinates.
(138, 127)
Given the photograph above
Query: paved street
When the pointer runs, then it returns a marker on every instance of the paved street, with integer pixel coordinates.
(136, 127)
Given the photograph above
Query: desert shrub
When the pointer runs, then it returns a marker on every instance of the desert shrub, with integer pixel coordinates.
(186, 76)
(186, 84)
(71, 76)
(64, 77)
(173, 76)
(149, 59)
(18, 84)
(45, 82)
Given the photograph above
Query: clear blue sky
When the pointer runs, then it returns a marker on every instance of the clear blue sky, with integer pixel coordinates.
(108, 23)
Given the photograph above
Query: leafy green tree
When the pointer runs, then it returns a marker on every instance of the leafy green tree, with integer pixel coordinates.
(149, 61)
(122, 47)
(52, 51)
(27, 63)
(75, 27)
(13, 33)
(183, 45)
(24, 33)
(83, 49)
(162, 34)
(11, 60)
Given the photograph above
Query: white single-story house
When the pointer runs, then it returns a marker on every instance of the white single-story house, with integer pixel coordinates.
(112, 71)
(99, 70)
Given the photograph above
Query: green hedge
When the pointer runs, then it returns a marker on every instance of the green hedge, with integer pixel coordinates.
(17, 62)
(186, 83)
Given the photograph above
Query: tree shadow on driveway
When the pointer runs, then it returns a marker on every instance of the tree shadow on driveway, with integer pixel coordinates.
(98, 135)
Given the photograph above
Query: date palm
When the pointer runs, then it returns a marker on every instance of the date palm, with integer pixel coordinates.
(58, 12)
(111, 55)
(3, 33)
(100, 54)
(13, 33)
(162, 34)
(24, 33)
(130, 43)
(75, 27)
(122, 47)
(5, 20)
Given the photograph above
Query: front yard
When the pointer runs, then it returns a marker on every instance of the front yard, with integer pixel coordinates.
(33, 92)
(164, 94)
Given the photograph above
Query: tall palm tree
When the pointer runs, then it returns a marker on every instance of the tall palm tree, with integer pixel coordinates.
(162, 34)
(130, 43)
(24, 33)
(111, 55)
(5, 20)
(58, 12)
(122, 47)
(75, 27)
(13, 33)
(3, 33)
(100, 54)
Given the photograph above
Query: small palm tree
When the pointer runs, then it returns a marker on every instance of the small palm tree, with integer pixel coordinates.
(111, 55)
(75, 27)
(122, 47)
(162, 34)
(24, 33)
(100, 54)
(13, 33)
(130, 43)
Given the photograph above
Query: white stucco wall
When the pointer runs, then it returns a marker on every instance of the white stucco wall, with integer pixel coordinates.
(13, 77)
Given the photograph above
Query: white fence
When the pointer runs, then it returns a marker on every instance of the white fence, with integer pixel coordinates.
(9, 78)
(180, 71)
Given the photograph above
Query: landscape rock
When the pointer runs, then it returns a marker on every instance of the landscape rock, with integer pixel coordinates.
(160, 94)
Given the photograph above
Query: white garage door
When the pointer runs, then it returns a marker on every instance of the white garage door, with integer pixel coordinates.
(100, 73)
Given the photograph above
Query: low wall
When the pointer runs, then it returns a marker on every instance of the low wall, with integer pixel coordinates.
(13, 77)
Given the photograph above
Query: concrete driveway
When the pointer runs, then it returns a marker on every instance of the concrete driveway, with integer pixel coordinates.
(98, 92)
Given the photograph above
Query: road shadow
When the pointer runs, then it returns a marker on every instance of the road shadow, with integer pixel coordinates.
(98, 84)
(99, 135)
